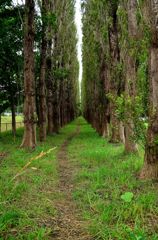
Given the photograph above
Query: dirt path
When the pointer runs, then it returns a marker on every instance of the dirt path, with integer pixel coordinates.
(68, 224)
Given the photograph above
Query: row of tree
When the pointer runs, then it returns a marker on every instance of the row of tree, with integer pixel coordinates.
(120, 74)
(38, 44)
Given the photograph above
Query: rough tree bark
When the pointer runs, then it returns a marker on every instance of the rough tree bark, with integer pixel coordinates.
(50, 88)
(131, 73)
(13, 117)
(105, 112)
(29, 138)
(150, 169)
(42, 78)
(56, 106)
(103, 89)
(0, 122)
(56, 89)
(114, 78)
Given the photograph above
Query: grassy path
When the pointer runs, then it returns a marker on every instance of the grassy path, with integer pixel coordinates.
(75, 192)
(69, 222)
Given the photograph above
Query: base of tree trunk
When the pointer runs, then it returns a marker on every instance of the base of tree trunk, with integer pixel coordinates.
(115, 135)
(105, 131)
(130, 145)
(42, 132)
(0, 122)
(122, 135)
(29, 139)
(13, 118)
(50, 129)
(114, 128)
(28, 144)
(149, 171)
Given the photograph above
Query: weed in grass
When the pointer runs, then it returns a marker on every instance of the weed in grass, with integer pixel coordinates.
(9, 219)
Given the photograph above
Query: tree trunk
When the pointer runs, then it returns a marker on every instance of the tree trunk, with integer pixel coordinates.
(42, 78)
(122, 132)
(130, 91)
(104, 88)
(105, 129)
(0, 123)
(114, 75)
(131, 74)
(29, 138)
(56, 107)
(150, 169)
(50, 88)
(115, 127)
(13, 117)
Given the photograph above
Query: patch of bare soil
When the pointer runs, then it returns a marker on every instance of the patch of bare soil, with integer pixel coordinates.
(69, 224)
(2, 156)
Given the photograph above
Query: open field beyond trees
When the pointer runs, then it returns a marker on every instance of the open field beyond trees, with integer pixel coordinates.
(6, 122)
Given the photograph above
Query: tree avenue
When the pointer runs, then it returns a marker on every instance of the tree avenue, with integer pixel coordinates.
(79, 160)
(120, 74)
(39, 71)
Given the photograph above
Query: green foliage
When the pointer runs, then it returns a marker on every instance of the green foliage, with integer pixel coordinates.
(61, 74)
(11, 54)
(130, 109)
(65, 65)
(95, 54)
(104, 77)
(51, 19)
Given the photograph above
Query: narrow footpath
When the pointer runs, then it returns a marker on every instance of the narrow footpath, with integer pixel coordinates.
(69, 225)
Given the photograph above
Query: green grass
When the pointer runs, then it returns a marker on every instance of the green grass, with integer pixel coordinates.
(6, 123)
(26, 204)
(104, 174)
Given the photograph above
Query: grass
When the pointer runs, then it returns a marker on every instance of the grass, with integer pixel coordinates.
(105, 174)
(6, 123)
(26, 203)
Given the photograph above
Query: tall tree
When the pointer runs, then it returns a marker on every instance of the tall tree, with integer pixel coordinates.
(130, 71)
(150, 169)
(42, 77)
(29, 138)
(115, 77)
